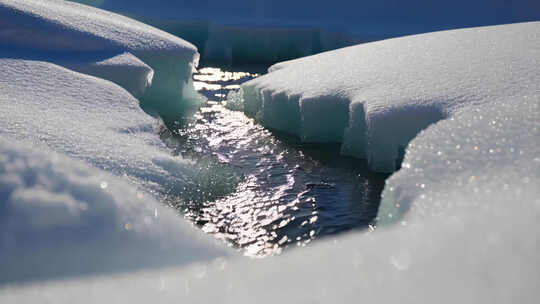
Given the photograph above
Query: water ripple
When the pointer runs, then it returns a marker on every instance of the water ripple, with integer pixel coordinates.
(287, 194)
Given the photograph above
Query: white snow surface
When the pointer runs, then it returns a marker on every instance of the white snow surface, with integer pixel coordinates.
(63, 25)
(77, 30)
(90, 119)
(375, 97)
(457, 224)
(60, 217)
(124, 69)
(80, 163)
(483, 161)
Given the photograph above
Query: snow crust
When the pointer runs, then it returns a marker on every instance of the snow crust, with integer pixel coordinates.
(375, 97)
(90, 119)
(65, 27)
(124, 69)
(457, 224)
(60, 218)
(485, 160)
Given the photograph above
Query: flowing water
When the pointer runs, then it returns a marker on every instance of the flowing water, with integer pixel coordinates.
(270, 191)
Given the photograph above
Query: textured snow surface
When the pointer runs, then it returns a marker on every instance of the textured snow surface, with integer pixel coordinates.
(63, 25)
(375, 97)
(125, 70)
(484, 161)
(60, 217)
(70, 28)
(458, 223)
(484, 253)
(89, 119)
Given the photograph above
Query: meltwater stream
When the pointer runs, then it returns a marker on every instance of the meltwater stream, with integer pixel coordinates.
(272, 191)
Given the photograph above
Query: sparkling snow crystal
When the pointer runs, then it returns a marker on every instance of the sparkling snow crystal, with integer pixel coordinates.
(77, 31)
(375, 97)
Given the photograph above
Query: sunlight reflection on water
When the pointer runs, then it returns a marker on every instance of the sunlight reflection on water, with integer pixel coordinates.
(287, 194)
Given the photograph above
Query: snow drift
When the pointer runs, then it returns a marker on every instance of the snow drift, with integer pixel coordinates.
(60, 217)
(374, 98)
(93, 120)
(124, 69)
(69, 28)
(80, 163)
(464, 206)
(280, 30)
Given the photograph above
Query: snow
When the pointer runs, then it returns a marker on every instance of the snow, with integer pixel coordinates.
(469, 256)
(457, 223)
(484, 161)
(60, 217)
(90, 119)
(69, 28)
(374, 98)
(81, 165)
(124, 69)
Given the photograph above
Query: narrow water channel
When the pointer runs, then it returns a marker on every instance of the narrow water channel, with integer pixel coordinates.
(271, 192)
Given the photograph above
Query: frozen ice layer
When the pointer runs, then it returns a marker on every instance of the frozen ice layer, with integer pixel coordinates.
(375, 97)
(464, 207)
(123, 69)
(485, 253)
(60, 217)
(66, 27)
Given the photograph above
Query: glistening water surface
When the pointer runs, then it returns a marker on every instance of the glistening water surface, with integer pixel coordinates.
(272, 191)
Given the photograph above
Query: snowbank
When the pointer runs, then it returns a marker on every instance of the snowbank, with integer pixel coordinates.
(480, 246)
(90, 119)
(375, 97)
(60, 217)
(485, 160)
(465, 205)
(467, 259)
(64, 27)
(124, 69)
(61, 214)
